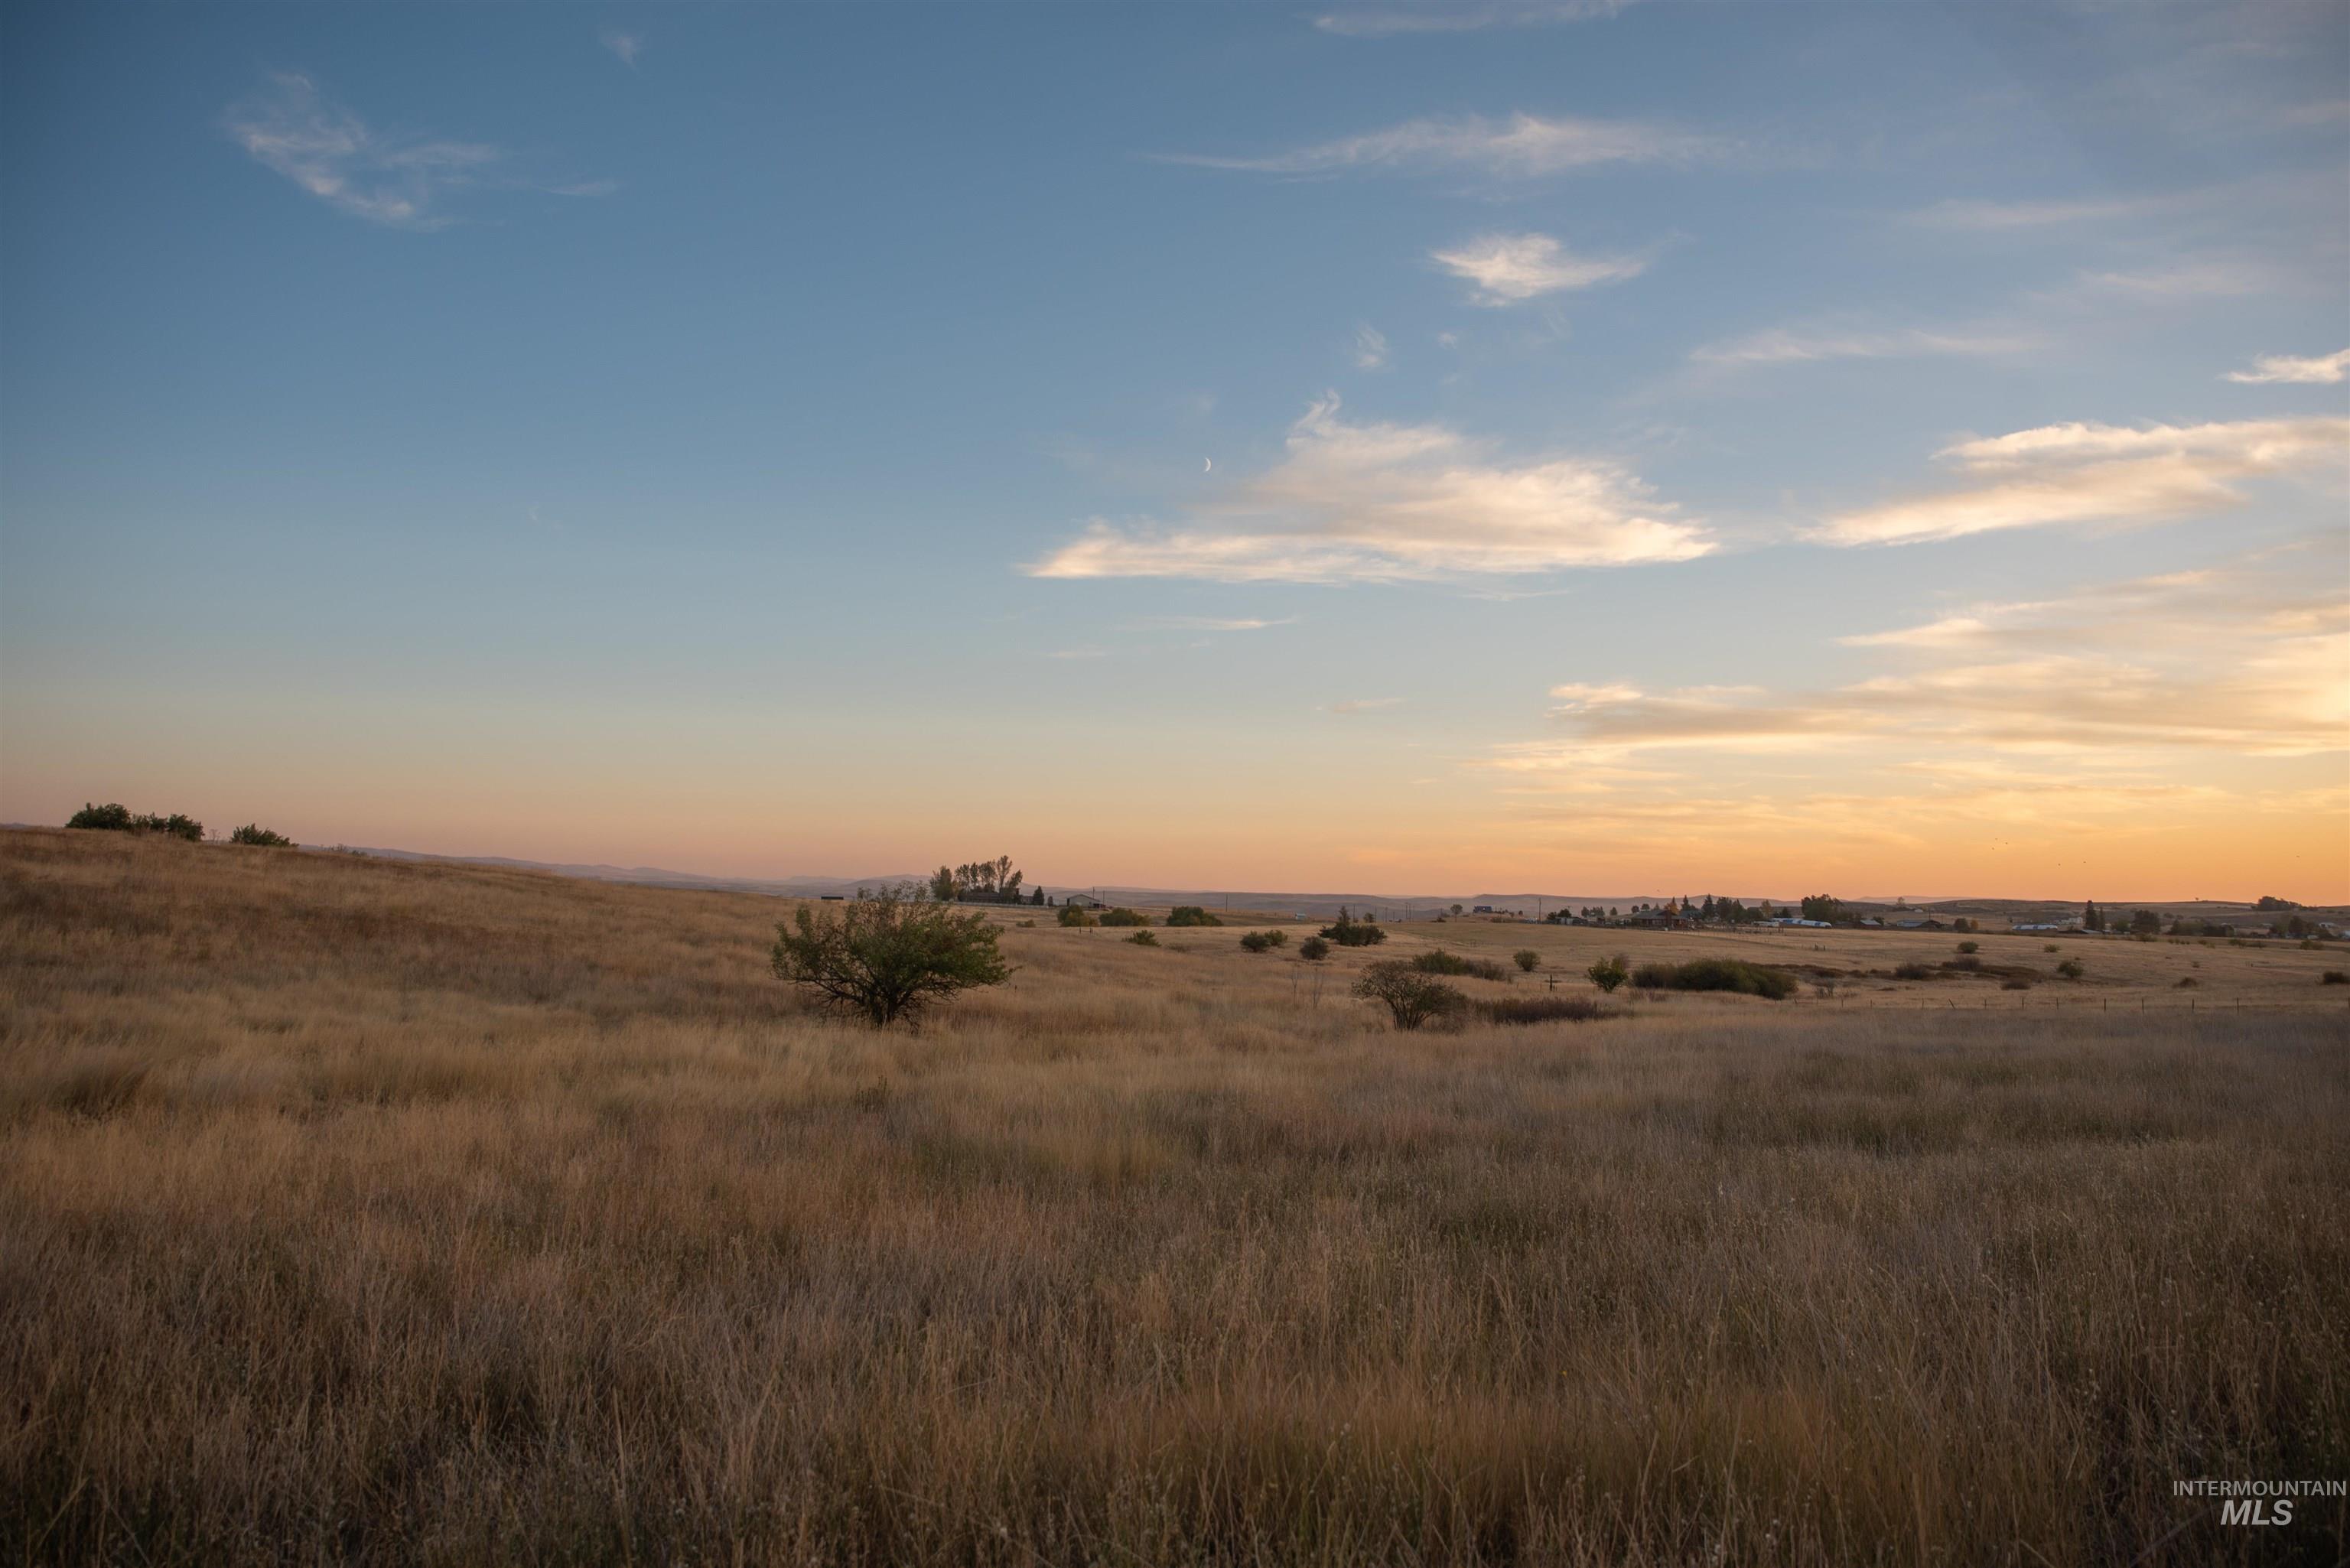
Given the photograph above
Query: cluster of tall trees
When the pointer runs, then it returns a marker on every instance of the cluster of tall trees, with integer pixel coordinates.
(995, 881)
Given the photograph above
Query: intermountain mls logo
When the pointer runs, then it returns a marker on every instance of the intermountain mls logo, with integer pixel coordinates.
(2258, 1502)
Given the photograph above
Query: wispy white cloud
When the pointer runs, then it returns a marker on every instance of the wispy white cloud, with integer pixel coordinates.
(1387, 501)
(1459, 17)
(1994, 217)
(1370, 348)
(624, 46)
(1210, 623)
(1509, 268)
(1524, 146)
(2219, 278)
(1796, 346)
(2327, 369)
(400, 181)
(2089, 473)
(2248, 661)
(329, 153)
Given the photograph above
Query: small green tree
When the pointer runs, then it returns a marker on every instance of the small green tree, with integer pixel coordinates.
(252, 833)
(1144, 938)
(1610, 972)
(887, 957)
(1412, 998)
(2070, 969)
(1124, 918)
(1074, 915)
(1528, 959)
(1191, 915)
(112, 817)
(1350, 932)
(1256, 941)
(1313, 949)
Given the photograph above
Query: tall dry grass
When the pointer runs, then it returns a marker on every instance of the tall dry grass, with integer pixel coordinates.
(391, 1213)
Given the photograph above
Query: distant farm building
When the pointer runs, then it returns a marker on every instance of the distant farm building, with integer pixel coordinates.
(1084, 901)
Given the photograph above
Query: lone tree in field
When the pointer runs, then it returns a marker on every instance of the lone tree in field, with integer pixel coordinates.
(1609, 972)
(887, 957)
(1527, 959)
(1411, 996)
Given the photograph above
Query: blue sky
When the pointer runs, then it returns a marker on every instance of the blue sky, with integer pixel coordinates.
(1208, 445)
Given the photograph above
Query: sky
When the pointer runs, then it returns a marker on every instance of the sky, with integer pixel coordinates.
(1756, 449)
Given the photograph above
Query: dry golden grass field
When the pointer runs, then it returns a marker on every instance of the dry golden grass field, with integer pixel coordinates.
(369, 1211)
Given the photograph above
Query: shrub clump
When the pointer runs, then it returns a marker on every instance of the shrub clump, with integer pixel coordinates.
(1528, 959)
(1716, 974)
(1610, 972)
(1439, 961)
(2071, 969)
(1258, 941)
(1144, 938)
(1314, 948)
(252, 832)
(1411, 997)
(1546, 1008)
(1349, 933)
(1970, 947)
(1072, 916)
(1124, 918)
(116, 817)
(2334, 977)
(1191, 915)
(1913, 971)
(887, 957)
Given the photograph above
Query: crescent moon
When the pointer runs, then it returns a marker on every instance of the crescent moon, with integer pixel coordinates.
(1207, 465)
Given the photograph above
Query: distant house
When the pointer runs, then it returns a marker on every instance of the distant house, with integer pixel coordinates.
(2048, 926)
(1792, 921)
(1484, 910)
(1663, 918)
(1084, 901)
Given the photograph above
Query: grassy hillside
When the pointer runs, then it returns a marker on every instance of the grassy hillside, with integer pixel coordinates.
(395, 1213)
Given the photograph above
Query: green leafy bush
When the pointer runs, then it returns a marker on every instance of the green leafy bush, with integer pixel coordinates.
(1411, 997)
(1716, 974)
(1610, 972)
(1276, 938)
(116, 817)
(1970, 947)
(1528, 959)
(1349, 933)
(1144, 938)
(1124, 918)
(1314, 948)
(887, 957)
(1439, 961)
(254, 834)
(1072, 916)
(1256, 941)
(2071, 969)
(1191, 915)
